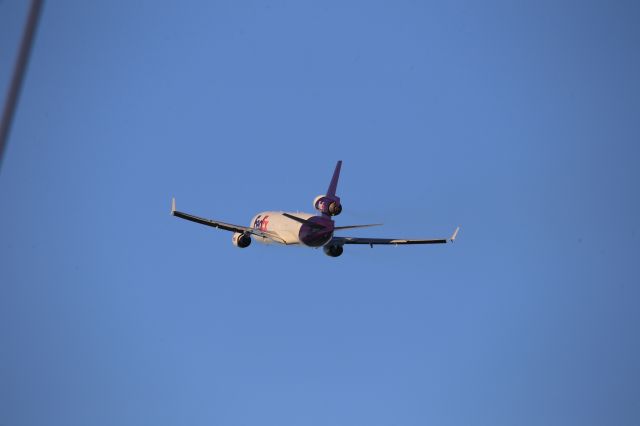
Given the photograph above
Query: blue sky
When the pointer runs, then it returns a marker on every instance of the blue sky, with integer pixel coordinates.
(517, 120)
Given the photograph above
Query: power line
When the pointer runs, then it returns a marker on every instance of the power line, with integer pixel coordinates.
(18, 74)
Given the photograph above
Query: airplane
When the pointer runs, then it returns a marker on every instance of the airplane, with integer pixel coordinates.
(304, 229)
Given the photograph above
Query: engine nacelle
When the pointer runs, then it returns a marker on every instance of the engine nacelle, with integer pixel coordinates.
(328, 205)
(241, 240)
(333, 250)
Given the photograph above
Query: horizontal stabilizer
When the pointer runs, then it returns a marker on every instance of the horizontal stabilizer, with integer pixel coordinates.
(303, 221)
(337, 228)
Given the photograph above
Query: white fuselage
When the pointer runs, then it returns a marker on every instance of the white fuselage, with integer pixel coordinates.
(287, 230)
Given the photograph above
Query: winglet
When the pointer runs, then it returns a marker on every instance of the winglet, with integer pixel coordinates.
(455, 234)
(173, 206)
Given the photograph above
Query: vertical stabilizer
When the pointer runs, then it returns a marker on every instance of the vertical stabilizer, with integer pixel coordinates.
(331, 192)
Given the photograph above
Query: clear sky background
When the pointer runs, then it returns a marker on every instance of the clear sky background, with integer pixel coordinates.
(519, 121)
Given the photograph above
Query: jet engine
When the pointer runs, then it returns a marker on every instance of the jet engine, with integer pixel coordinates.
(333, 250)
(328, 205)
(241, 240)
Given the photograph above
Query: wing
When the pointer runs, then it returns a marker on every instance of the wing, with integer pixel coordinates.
(392, 241)
(222, 225)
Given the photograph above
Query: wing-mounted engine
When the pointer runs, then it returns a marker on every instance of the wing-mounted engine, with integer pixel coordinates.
(329, 205)
(333, 250)
(241, 240)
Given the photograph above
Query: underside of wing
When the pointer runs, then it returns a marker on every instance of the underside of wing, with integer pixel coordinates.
(222, 225)
(392, 241)
(211, 222)
(378, 241)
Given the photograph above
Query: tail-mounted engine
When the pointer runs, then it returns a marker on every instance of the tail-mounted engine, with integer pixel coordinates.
(329, 205)
(241, 240)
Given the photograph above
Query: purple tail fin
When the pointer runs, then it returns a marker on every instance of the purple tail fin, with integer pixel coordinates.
(331, 192)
